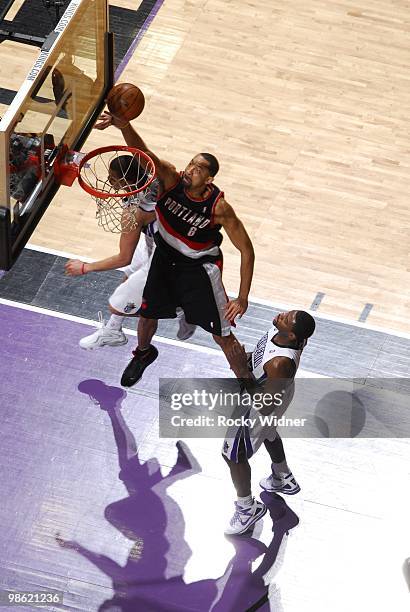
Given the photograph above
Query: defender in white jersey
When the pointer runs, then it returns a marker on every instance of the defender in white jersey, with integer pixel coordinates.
(135, 253)
(270, 368)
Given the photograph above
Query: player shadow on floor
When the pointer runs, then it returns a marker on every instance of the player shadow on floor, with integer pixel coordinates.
(152, 578)
(248, 585)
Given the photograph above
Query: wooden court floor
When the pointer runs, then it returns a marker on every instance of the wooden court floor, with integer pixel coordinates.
(306, 105)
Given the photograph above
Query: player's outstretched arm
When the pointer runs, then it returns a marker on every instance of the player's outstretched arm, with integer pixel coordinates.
(165, 171)
(127, 246)
(225, 215)
(279, 372)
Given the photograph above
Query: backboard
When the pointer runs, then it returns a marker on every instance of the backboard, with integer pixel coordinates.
(57, 105)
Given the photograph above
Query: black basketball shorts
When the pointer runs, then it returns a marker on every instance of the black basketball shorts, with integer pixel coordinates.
(197, 288)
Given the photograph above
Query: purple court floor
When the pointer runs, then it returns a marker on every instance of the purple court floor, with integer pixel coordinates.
(96, 505)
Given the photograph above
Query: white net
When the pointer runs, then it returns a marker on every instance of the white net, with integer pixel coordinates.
(123, 179)
(117, 215)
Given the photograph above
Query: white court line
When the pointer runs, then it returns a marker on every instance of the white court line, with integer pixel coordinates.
(91, 323)
(262, 302)
(132, 332)
(40, 249)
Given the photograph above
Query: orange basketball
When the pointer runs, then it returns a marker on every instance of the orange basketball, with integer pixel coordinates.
(126, 101)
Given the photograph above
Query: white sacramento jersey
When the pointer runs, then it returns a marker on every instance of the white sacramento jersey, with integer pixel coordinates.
(146, 201)
(265, 350)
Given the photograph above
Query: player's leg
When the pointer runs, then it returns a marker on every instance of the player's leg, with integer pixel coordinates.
(108, 333)
(125, 301)
(185, 329)
(241, 477)
(142, 257)
(247, 509)
(158, 303)
(145, 353)
(226, 343)
(281, 480)
(201, 293)
(146, 331)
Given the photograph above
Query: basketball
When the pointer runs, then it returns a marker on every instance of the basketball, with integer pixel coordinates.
(126, 101)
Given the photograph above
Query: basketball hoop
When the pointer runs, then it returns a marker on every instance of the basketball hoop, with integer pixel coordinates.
(117, 177)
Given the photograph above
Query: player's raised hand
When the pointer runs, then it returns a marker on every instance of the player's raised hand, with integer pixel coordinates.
(237, 351)
(236, 308)
(74, 267)
(106, 119)
(238, 358)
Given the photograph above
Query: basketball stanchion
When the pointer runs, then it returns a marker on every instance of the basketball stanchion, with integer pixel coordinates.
(115, 176)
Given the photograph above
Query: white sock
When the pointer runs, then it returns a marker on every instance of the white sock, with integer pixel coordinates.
(115, 322)
(280, 469)
(245, 502)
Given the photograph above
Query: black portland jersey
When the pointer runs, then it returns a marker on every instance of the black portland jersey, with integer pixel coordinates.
(186, 224)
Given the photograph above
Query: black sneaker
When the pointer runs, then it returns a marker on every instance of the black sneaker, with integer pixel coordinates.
(135, 369)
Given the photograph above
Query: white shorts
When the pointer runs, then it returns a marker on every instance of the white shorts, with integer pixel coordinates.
(253, 436)
(127, 297)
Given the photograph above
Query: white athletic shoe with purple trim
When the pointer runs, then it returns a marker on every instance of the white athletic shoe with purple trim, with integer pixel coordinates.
(104, 336)
(280, 484)
(244, 518)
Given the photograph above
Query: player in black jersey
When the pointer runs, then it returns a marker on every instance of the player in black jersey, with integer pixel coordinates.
(187, 264)
(134, 256)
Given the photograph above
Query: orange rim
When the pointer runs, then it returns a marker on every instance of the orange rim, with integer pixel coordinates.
(150, 167)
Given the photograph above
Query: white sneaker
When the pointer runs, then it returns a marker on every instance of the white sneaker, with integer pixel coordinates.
(186, 330)
(244, 518)
(280, 484)
(103, 337)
